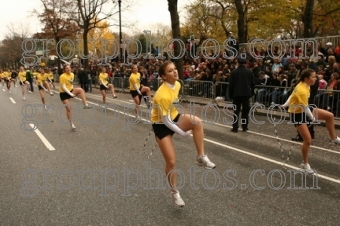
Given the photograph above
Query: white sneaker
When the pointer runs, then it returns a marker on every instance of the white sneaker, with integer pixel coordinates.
(29, 91)
(87, 107)
(177, 199)
(336, 140)
(23, 98)
(205, 161)
(306, 168)
(51, 93)
(73, 126)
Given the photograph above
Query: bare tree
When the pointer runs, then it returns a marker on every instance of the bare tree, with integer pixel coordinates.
(56, 23)
(221, 12)
(87, 14)
(11, 46)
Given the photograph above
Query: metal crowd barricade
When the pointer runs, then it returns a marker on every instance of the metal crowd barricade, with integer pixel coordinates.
(263, 94)
(221, 91)
(329, 100)
(268, 95)
(118, 83)
(325, 99)
(182, 96)
(125, 84)
(95, 82)
(154, 84)
(199, 89)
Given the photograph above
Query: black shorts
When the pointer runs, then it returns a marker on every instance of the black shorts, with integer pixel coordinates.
(22, 83)
(161, 130)
(102, 87)
(40, 87)
(299, 119)
(135, 92)
(65, 96)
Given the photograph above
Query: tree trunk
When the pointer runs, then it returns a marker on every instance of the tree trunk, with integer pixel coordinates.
(241, 25)
(176, 33)
(308, 19)
(57, 39)
(86, 49)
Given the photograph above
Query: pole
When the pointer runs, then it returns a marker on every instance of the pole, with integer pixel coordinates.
(120, 29)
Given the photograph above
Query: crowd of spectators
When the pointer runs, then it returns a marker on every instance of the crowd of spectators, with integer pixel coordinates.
(275, 76)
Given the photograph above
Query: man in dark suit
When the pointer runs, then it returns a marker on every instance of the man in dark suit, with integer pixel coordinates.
(241, 89)
(82, 76)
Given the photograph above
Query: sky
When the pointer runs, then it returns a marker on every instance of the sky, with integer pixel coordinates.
(145, 15)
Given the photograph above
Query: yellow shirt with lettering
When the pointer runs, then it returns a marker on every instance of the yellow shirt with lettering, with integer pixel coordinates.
(66, 79)
(134, 79)
(41, 78)
(49, 76)
(104, 78)
(164, 102)
(7, 75)
(22, 76)
(299, 98)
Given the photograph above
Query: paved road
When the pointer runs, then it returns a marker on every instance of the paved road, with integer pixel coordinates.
(98, 175)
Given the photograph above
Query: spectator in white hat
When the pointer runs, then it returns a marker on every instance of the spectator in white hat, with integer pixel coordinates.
(329, 49)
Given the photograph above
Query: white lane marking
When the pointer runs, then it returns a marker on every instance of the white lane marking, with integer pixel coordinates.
(268, 159)
(259, 134)
(116, 100)
(248, 153)
(242, 151)
(251, 154)
(282, 139)
(12, 100)
(42, 138)
(223, 125)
